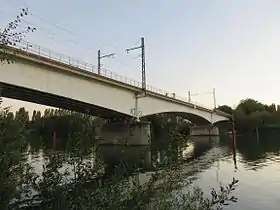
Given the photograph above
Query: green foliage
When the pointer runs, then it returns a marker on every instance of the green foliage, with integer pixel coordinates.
(70, 129)
(168, 125)
(162, 191)
(13, 159)
(11, 35)
(13, 168)
(22, 116)
(250, 114)
(36, 116)
(226, 109)
(74, 178)
(249, 106)
(270, 108)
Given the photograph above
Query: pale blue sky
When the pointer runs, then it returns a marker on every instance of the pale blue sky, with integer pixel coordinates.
(197, 45)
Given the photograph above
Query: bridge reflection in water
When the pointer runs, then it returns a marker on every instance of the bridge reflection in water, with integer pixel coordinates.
(148, 158)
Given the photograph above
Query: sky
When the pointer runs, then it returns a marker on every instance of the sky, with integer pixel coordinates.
(191, 45)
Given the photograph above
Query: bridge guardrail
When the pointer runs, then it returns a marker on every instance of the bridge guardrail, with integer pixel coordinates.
(47, 53)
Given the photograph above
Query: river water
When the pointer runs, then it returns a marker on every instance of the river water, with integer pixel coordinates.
(256, 166)
(211, 161)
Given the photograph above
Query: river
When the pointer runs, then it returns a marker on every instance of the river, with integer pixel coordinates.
(256, 166)
(209, 161)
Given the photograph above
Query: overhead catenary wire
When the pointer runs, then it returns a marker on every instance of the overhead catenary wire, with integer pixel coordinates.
(62, 28)
(54, 36)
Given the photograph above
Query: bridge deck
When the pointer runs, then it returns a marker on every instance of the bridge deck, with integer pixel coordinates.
(29, 50)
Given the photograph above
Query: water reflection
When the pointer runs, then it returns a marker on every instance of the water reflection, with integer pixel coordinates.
(144, 158)
(207, 161)
(253, 153)
(132, 157)
(256, 153)
(255, 162)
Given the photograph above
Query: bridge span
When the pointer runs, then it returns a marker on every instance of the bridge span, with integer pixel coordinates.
(41, 76)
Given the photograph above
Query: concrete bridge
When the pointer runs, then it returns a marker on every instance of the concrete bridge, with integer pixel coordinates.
(41, 76)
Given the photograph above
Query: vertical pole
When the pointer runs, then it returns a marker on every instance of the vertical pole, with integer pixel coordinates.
(98, 62)
(189, 96)
(233, 137)
(54, 140)
(234, 143)
(214, 98)
(257, 132)
(143, 64)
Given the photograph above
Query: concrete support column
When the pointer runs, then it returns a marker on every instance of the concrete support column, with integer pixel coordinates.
(135, 133)
(204, 130)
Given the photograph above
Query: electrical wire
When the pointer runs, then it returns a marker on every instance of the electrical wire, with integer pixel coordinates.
(54, 36)
(67, 30)
(77, 36)
(63, 28)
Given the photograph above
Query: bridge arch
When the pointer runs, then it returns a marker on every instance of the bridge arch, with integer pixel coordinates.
(193, 118)
(153, 104)
(224, 123)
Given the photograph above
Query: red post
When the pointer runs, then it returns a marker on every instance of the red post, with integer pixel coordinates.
(234, 144)
(233, 137)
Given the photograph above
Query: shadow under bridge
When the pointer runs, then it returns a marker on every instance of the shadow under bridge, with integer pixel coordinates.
(178, 117)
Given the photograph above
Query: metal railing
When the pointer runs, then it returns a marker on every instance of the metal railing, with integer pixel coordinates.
(84, 66)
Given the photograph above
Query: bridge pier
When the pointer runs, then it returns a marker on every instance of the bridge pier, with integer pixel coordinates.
(204, 130)
(120, 133)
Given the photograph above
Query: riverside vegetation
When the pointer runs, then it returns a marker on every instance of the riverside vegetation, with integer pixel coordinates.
(251, 114)
(83, 185)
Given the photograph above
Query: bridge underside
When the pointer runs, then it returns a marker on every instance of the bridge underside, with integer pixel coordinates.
(38, 97)
(224, 123)
(195, 119)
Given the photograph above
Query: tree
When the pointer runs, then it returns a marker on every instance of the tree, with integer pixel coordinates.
(36, 115)
(49, 113)
(33, 115)
(13, 164)
(10, 115)
(270, 108)
(248, 106)
(22, 116)
(278, 108)
(11, 35)
(226, 109)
